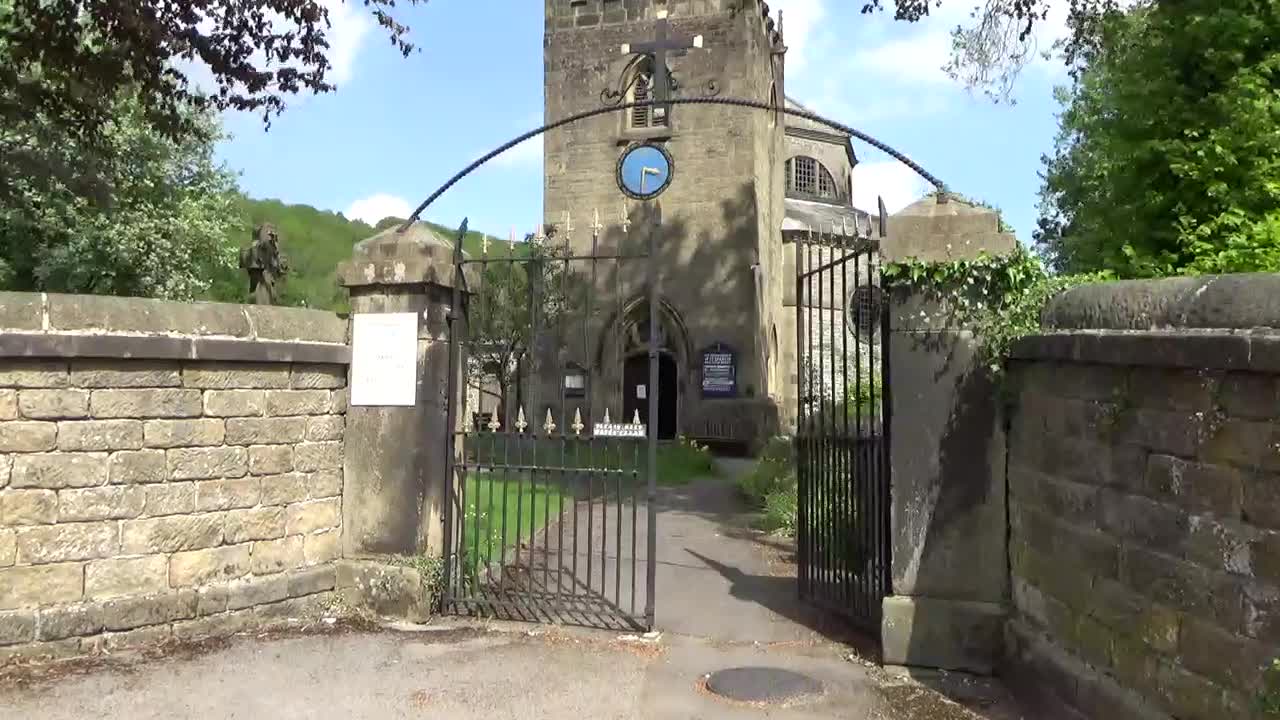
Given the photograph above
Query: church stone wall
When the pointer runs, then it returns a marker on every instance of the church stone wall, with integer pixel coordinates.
(715, 245)
(167, 470)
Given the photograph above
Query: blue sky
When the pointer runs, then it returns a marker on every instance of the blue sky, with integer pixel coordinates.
(396, 127)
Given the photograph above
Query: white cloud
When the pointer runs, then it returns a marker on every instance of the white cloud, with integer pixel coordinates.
(800, 18)
(898, 184)
(917, 58)
(349, 24)
(378, 206)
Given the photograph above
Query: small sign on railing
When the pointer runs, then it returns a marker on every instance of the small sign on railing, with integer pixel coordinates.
(620, 430)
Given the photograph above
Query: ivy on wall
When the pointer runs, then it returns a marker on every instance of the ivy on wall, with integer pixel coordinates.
(1000, 298)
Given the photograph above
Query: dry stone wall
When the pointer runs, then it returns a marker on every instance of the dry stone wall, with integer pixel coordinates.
(1144, 480)
(150, 498)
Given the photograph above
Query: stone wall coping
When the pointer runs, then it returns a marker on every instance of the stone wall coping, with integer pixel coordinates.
(55, 325)
(1257, 351)
(1245, 301)
(415, 256)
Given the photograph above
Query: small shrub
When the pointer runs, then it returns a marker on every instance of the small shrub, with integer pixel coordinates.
(1269, 697)
(780, 508)
(770, 472)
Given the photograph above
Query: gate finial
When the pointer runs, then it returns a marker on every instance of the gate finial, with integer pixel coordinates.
(635, 419)
(550, 424)
(577, 421)
(540, 235)
(626, 221)
(494, 425)
(596, 227)
(606, 416)
(568, 225)
(484, 244)
(520, 423)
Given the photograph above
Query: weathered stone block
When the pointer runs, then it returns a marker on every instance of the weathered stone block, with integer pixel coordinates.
(1221, 547)
(1069, 501)
(941, 634)
(28, 507)
(1261, 500)
(266, 431)
(26, 587)
(1158, 627)
(312, 516)
(25, 437)
(183, 433)
(1196, 487)
(1261, 613)
(1244, 444)
(92, 435)
(170, 534)
(8, 404)
(326, 484)
(170, 499)
(227, 494)
(265, 523)
(213, 565)
(1221, 656)
(270, 459)
(6, 470)
(145, 637)
(1093, 641)
(221, 376)
(312, 580)
(220, 625)
(67, 621)
(1156, 526)
(1250, 396)
(53, 404)
(1177, 584)
(129, 613)
(284, 489)
(67, 542)
(1189, 696)
(211, 599)
(17, 626)
(124, 374)
(257, 591)
(1173, 389)
(273, 556)
(104, 503)
(387, 590)
(1160, 431)
(338, 401)
(234, 403)
(119, 577)
(207, 463)
(321, 547)
(8, 547)
(1135, 664)
(34, 373)
(159, 403)
(310, 457)
(325, 427)
(1264, 556)
(297, 402)
(138, 466)
(59, 470)
(324, 377)
(287, 611)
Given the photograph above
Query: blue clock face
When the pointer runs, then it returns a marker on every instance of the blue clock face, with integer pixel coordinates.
(644, 171)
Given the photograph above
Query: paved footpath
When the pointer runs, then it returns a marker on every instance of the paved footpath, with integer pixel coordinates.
(726, 599)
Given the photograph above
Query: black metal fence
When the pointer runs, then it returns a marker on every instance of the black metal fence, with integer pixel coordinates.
(549, 514)
(842, 426)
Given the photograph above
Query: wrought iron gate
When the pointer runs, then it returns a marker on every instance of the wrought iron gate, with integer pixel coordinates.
(842, 429)
(549, 514)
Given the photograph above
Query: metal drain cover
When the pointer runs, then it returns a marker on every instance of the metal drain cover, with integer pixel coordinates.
(762, 684)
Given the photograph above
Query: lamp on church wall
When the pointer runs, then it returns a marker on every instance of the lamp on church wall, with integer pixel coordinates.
(575, 381)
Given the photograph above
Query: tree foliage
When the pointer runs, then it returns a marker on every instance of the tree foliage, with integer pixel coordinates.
(67, 59)
(135, 213)
(1168, 157)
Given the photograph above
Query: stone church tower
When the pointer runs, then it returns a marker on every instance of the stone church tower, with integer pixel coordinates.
(724, 276)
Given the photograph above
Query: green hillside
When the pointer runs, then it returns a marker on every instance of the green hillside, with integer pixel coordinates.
(314, 242)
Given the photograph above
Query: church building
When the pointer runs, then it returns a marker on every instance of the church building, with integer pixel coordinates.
(746, 182)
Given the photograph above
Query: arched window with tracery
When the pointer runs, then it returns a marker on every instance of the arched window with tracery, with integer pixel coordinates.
(640, 89)
(807, 176)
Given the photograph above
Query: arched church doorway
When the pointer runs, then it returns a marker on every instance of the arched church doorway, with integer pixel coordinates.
(635, 384)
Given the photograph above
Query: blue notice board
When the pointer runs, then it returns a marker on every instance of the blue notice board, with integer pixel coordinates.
(719, 371)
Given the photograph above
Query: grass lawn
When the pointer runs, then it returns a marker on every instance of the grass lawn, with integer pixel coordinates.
(679, 461)
(493, 497)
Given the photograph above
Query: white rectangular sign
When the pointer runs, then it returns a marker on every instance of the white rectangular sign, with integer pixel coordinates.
(619, 430)
(384, 358)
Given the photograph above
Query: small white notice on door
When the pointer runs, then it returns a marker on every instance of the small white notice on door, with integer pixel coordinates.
(384, 358)
(640, 392)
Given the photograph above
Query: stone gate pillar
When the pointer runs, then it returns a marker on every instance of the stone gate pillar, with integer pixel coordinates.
(950, 572)
(395, 465)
